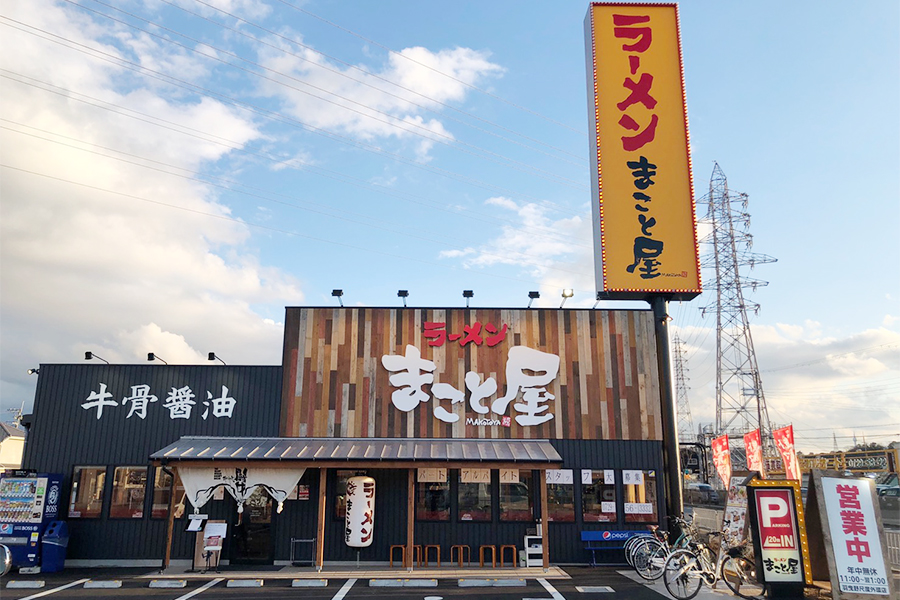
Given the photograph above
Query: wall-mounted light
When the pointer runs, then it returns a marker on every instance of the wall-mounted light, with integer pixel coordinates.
(403, 294)
(151, 357)
(339, 295)
(34, 371)
(468, 294)
(566, 294)
(89, 355)
(212, 356)
(532, 296)
(601, 296)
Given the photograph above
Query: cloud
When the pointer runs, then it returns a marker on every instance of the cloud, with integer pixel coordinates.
(363, 104)
(105, 255)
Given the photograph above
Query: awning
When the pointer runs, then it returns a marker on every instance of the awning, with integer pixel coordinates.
(370, 452)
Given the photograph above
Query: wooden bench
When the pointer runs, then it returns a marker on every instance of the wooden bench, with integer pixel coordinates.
(606, 540)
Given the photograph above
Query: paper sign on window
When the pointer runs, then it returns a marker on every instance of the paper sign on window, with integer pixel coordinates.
(560, 476)
(432, 475)
(475, 475)
(633, 477)
(509, 476)
(609, 477)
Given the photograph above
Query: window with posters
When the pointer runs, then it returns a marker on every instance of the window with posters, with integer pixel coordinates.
(641, 505)
(515, 499)
(86, 499)
(128, 491)
(474, 495)
(598, 496)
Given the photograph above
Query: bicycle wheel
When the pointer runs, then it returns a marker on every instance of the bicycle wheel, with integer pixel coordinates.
(739, 574)
(630, 546)
(682, 574)
(649, 559)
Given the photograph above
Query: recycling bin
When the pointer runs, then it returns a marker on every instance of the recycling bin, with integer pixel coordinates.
(53, 547)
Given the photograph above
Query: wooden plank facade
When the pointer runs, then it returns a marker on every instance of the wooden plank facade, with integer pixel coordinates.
(336, 385)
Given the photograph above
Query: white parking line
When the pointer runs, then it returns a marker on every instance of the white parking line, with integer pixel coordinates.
(343, 591)
(553, 593)
(54, 590)
(202, 588)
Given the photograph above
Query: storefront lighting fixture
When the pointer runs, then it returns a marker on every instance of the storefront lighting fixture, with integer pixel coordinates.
(468, 294)
(89, 355)
(532, 296)
(34, 371)
(338, 294)
(566, 294)
(403, 294)
(212, 356)
(151, 357)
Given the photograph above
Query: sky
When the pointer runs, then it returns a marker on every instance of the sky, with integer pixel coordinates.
(176, 172)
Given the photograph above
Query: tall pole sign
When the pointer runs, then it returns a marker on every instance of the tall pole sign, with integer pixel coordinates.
(642, 188)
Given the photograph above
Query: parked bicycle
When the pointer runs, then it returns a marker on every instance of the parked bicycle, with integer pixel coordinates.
(687, 569)
(648, 556)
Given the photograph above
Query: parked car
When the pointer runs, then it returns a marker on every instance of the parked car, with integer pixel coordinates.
(700, 493)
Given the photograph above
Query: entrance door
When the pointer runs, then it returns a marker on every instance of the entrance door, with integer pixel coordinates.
(252, 542)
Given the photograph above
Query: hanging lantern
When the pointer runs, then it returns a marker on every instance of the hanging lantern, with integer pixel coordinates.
(360, 515)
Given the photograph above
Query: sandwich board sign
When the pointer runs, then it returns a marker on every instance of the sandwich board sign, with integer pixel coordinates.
(847, 543)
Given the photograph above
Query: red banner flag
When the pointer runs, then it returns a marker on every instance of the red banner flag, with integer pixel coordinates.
(784, 439)
(753, 448)
(722, 458)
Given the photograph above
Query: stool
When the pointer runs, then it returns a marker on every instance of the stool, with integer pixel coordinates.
(437, 550)
(511, 548)
(493, 550)
(402, 548)
(459, 548)
(417, 553)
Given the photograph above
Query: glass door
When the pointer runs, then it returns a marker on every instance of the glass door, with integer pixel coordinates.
(252, 542)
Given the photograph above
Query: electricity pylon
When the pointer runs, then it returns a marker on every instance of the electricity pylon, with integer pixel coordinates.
(685, 423)
(740, 402)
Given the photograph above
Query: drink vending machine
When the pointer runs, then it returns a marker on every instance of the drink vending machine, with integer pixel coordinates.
(28, 503)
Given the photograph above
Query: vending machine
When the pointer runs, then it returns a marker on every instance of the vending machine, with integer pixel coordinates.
(28, 503)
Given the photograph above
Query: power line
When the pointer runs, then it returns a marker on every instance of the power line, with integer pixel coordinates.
(391, 120)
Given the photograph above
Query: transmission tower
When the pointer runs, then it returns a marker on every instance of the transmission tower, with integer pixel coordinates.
(740, 403)
(685, 423)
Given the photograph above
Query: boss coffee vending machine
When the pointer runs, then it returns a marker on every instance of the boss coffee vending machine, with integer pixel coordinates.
(29, 502)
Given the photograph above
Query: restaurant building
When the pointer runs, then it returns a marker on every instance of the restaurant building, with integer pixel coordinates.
(475, 425)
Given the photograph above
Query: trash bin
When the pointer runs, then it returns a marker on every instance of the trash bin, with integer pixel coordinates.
(53, 547)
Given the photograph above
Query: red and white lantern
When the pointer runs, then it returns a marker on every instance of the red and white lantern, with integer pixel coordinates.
(359, 522)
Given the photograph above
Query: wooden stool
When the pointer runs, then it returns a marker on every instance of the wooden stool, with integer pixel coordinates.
(402, 548)
(437, 550)
(459, 548)
(510, 547)
(493, 550)
(417, 553)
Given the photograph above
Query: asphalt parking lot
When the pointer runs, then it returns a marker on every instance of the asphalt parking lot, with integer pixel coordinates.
(585, 583)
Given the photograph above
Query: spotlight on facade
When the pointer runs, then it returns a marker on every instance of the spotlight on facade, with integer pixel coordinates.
(532, 296)
(403, 294)
(89, 355)
(34, 371)
(212, 356)
(151, 357)
(339, 295)
(566, 294)
(468, 294)
(600, 296)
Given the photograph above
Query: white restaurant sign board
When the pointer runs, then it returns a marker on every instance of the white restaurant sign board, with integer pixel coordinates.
(855, 538)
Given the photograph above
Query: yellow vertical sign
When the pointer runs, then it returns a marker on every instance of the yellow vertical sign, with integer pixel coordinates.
(643, 204)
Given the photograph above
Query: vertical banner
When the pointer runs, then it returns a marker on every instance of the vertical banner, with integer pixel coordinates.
(784, 439)
(753, 448)
(722, 458)
(645, 238)
(855, 542)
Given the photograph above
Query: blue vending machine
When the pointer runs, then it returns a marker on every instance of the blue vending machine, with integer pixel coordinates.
(28, 503)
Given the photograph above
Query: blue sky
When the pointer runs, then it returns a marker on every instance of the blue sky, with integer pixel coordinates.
(172, 189)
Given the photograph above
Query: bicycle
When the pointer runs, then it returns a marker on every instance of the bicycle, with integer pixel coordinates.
(687, 569)
(649, 556)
